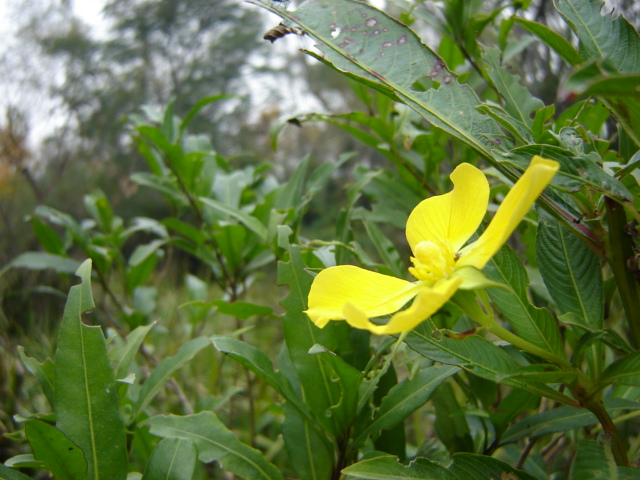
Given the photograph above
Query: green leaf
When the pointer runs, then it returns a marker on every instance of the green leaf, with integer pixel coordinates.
(196, 109)
(165, 369)
(557, 42)
(63, 458)
(215, 442)
(252, 223)
(368, 44)
(519, 102)
(315, 375)
(404, 398)
(592, 462)
(241, 310)
(625, 371)
(7, 473)
(464, 466)
(600, 36)
(570, 270)
(42, 261)
(172, 459)
(309, 452)
(86, 399)
(562, 419)
(43, 371)
(259, 363)
(535, 325)
(386, 249)
(124, 357)
(48, 237)
(476, 355)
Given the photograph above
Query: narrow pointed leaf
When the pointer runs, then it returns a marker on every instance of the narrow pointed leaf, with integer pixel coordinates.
(86, 400)
(625, 371)
(7, 473)
(43, 371)
(561, 45)
(252, 223)
(165, 369)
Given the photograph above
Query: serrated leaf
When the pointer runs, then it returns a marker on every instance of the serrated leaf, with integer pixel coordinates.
(364, 42)
(165, 369)
(570, 271)
(86, 399)
(63, 458)
(534, 324)
(172, 459)
(601, 36)
(519, 102)
(464, 466)
(215, 442)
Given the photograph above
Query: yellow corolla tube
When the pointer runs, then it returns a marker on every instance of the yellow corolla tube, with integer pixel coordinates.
(437, 231)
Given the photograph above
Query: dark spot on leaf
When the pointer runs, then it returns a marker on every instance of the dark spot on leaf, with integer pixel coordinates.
(387, 44)
(371, 22)
(375, 32)
(402, 40)
(447, 79)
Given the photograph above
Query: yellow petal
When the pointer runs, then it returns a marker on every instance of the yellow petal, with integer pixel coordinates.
(514, 207)
(454, 216)
(427, 302)
(373, 293)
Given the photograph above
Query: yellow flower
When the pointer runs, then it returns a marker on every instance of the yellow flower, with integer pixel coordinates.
(437, 231)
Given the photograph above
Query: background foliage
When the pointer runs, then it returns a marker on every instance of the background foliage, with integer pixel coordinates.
(176, 356)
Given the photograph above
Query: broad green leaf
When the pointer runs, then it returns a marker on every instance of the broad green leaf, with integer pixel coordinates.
(570, 270)
(7, 473)
(173, 459)
(557, 42)
(602, 37)
(404, 398)
(451, 425)
(86, 399)
(519, 102)
(465, 466)
(252, 223)
(592, 462)
(63, 458)
(215, 443)
(43, 371)
(315, 375)
(625, 371)
(535, 325)
(562, 419)
(476, 355)
(510, 407)
(522, 134)
(364, 42)
(42, 261)
(310, 454)
(165, 369)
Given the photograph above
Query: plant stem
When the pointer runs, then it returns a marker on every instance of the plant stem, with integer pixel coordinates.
(620, 249)
(597, 408)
